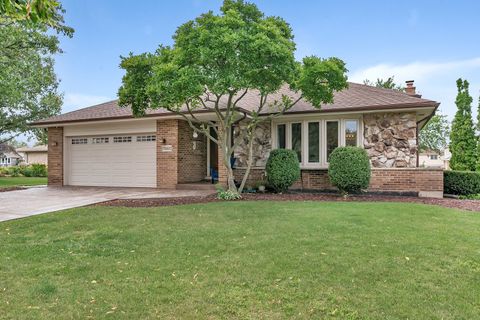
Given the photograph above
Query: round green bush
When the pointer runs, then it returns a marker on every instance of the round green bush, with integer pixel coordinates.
(461, 182)
(282, 169)
(349, 169)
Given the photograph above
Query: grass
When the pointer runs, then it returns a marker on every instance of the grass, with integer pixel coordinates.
(243, 260)
(9, 182)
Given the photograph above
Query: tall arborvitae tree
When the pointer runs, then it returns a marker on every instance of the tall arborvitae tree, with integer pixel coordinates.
(463, 142)
(478, 137)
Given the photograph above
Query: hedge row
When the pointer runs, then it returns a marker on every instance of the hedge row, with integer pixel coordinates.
(461, 182)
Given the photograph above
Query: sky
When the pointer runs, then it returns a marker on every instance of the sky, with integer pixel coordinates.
(431, 42)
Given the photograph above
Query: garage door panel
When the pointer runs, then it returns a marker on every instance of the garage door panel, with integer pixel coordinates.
(128, 164)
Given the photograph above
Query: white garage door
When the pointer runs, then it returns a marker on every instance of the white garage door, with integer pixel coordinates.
(124, 160)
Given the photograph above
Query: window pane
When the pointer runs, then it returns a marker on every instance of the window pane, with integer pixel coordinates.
(351, 133)
(332, 137)
(313, 142)
(281, 136)
(297, 139)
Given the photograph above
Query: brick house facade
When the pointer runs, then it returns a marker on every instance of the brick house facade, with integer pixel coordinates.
(388, 132)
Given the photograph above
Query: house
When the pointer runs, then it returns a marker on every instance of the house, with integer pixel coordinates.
(36, 154)
(432, 158)
(104, 145)
(8, 156)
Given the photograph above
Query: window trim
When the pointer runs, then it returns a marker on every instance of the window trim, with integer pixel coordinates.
(322, 120)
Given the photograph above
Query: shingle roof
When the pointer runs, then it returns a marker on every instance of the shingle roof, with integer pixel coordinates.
(357, 97)
(39, 148)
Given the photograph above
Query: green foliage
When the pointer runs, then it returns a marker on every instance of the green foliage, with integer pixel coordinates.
(463, 142)
(228, 195)
(461, 182)
(29, 85)
(34, 170)
(470, 197)
(477, 167)
(14, 171)
(215, 60)
(349, 169)
(434, 135)
(36, 13)
(282, 169)
(387, 84)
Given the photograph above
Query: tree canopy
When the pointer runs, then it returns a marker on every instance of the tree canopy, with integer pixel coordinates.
(28, 83)
(219, 58)
(434, 135)
(388, 83)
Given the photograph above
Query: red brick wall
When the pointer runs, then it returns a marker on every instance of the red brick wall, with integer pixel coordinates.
(55, 156)
(394, 180)
(192, 165)
(167, 159)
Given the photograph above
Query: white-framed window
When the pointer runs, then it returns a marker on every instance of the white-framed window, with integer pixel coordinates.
(314, 139)
(146, 138)
(433, 157)
(79, 140)
(332, 137)
(100, 140)
(123, 139)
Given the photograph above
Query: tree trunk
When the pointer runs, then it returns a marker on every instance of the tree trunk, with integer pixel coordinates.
(249, 163)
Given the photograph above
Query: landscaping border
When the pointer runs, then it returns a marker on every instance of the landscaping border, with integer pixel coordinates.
(470, 205)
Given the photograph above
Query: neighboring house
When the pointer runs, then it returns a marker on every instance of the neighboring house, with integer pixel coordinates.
(104, 145)
(434, 159)
(36, 154)
(8, 156)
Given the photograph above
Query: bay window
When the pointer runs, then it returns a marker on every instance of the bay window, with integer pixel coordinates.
(297, 139)
(314, 140)
(351, 133)
(281, 136)
(332, 137)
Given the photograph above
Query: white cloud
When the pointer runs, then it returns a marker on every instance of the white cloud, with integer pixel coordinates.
(73, 101)
(434, 80)
(413, 71)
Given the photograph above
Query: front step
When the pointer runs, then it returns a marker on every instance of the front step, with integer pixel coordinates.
(196, 186)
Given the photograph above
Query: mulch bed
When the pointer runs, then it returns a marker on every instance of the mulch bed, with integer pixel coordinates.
(471, 205)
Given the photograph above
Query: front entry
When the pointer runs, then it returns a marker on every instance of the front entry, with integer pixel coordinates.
(212, 161)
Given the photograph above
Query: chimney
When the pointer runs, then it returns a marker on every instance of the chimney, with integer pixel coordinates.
(410, 89)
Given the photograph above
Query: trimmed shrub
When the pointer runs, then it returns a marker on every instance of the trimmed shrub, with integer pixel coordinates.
(461, 182)
(349, 169)
(282, 169)
(38, 170)
(14, 171)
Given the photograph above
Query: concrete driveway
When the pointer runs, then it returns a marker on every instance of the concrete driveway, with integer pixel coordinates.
(32, 201)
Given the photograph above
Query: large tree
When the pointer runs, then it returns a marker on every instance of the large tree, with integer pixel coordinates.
(28, 83)
(463, 142)
(434, 135)
(215, 61)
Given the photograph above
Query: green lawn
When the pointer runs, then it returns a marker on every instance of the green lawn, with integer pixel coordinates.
(257, 260)
(8, 182)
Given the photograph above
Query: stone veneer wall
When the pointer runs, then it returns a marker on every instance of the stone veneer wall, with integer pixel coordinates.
(55, 156)
(261, 147)
(390, 139)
